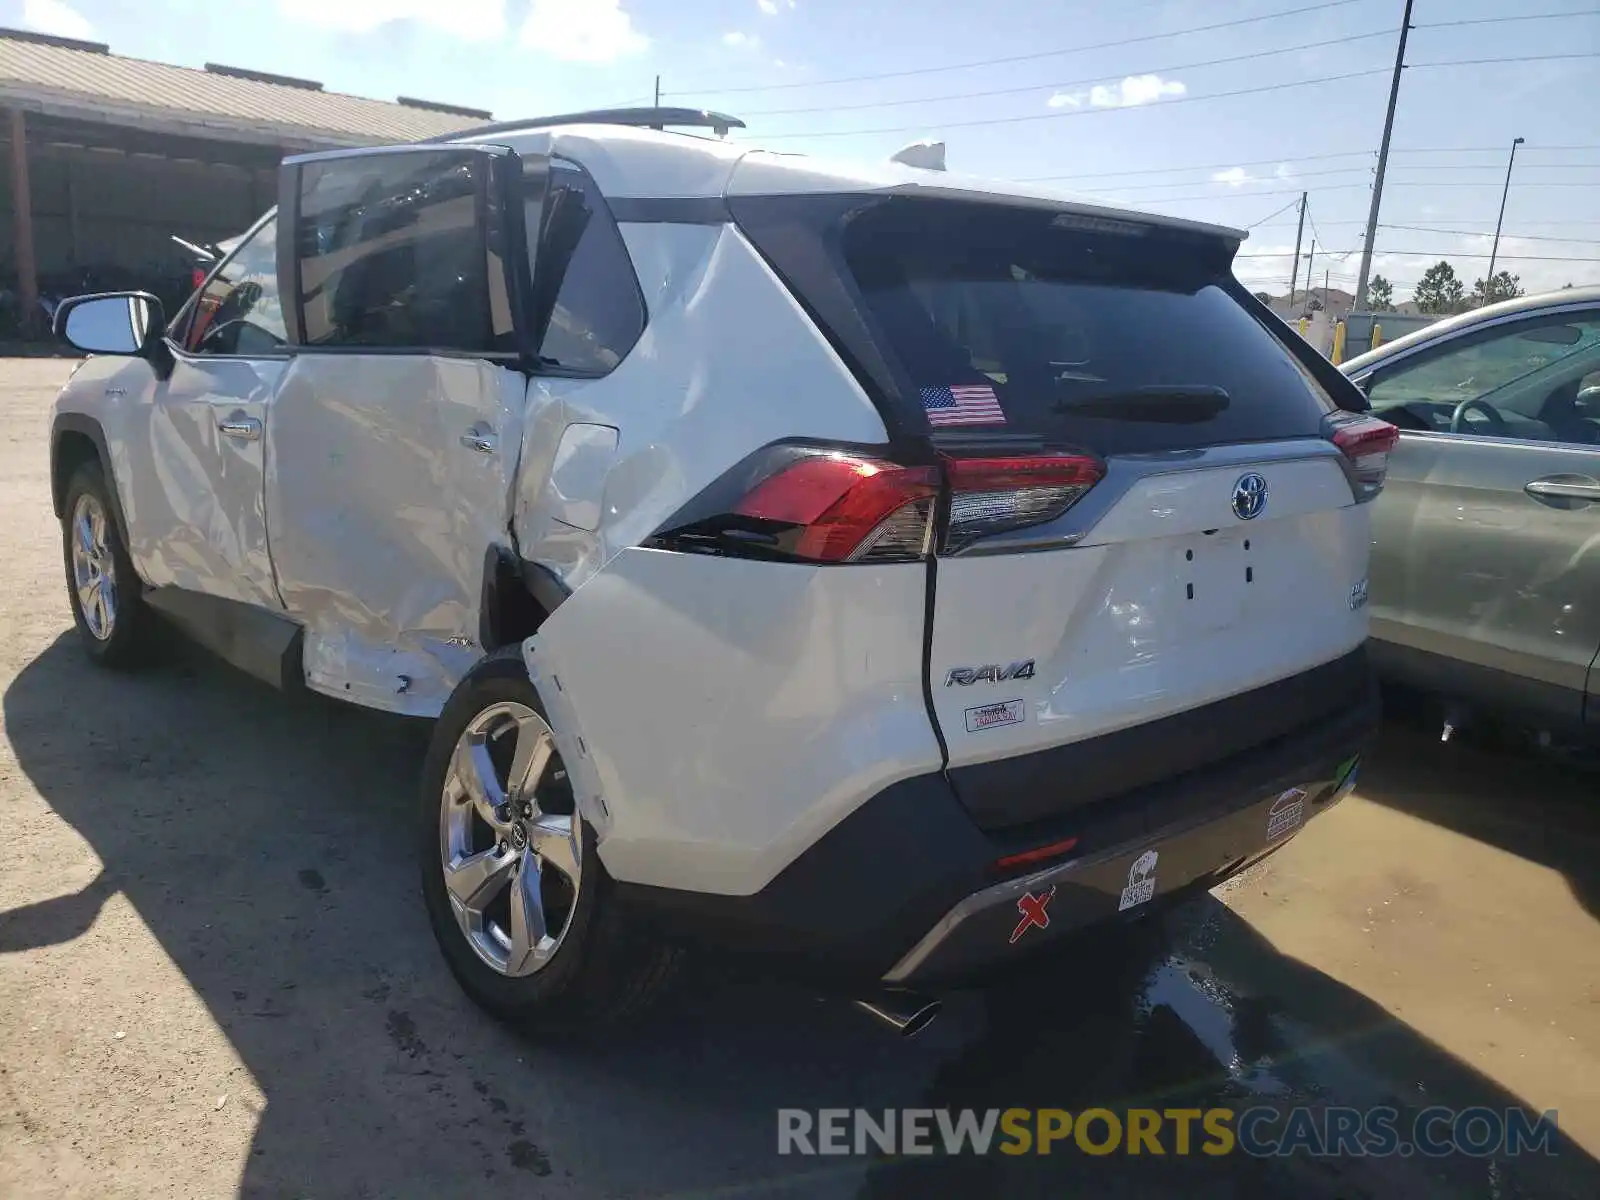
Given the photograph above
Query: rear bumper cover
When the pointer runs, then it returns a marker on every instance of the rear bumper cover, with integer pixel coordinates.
(904, 891)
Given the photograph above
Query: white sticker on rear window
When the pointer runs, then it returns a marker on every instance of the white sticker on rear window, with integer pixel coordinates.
(992, 716)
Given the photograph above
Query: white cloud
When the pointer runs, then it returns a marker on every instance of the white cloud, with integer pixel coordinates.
(1066, 100)
(470, 20)
(770, 7)
(57, 17)
(1135, 89)
(742, 41)
(1283, 171)
(1234, 177)
(581, 30)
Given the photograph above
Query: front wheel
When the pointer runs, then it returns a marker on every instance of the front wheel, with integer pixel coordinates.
(105, 593)
(519, 902)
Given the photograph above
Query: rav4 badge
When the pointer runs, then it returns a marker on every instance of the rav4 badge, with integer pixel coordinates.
(989, 673)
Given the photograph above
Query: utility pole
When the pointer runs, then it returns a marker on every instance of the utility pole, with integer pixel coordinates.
(1383, 162)
(658, 91)
(1310, 259)
(1294, 271)
(1488, 280)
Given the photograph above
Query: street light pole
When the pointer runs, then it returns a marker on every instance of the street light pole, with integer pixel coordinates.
(1488, 280)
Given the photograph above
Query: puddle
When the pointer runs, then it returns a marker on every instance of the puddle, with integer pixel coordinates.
(1195, 996)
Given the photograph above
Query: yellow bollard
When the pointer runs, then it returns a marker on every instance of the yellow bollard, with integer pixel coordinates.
(1338, 343)
(1305, 324)
(1377, 335)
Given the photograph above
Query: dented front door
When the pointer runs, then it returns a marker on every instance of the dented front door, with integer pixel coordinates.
(396, 430)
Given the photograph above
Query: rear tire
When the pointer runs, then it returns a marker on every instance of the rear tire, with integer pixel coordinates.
(488, 841)
(107, 596)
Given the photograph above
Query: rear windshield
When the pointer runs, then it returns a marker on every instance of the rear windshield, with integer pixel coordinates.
(1121, 339)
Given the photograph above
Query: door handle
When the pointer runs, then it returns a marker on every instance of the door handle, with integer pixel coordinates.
(246, 429)
(1567, 488)
(480, 440)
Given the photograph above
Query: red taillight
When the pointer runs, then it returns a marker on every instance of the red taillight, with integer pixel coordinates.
(847, 508)
(1037, 854)
(1366, 443)
(992, 495)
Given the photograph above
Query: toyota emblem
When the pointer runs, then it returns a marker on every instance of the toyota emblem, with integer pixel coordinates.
(1249, 496)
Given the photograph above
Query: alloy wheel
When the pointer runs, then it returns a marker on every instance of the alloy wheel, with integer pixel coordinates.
(93, 568)
(510, 841)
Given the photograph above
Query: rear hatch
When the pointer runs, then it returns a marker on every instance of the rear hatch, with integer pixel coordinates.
(1151, 524)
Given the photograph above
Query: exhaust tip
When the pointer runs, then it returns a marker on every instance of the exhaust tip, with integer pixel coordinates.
(905, 1013)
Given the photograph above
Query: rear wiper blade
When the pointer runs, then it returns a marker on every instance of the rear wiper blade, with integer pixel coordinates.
(1180, 403)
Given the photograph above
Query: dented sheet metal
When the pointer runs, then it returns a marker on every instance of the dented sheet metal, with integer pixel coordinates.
(687, 405)
(388, 477)
(193, 492)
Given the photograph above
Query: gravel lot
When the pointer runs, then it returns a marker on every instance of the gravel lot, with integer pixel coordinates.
(216, 978)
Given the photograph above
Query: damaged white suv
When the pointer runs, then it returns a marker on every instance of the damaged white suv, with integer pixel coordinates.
(888, 571)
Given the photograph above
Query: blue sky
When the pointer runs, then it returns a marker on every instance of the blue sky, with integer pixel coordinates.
(1133, 124)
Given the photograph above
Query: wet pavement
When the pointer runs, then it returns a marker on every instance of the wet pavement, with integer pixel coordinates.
(216, 978)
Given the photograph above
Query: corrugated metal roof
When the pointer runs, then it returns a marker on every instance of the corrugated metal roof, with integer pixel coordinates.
(64, 81)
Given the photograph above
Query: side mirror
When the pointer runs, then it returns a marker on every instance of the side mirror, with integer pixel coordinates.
(110, 323)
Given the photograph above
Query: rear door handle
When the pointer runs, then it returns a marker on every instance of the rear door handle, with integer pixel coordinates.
(1564, 487)
(246, 429)
(479, 439)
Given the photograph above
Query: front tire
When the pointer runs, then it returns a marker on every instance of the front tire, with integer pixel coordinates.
(519, 903)
(105, 592)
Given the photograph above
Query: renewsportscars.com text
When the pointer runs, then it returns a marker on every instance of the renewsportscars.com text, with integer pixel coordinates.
(1260, 1132)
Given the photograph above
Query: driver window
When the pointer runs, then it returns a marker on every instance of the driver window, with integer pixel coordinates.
(1522, 381)
(238, 311)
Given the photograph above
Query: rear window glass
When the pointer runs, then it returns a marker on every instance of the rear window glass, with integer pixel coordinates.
(1023, 321)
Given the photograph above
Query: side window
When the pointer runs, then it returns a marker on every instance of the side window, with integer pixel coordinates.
(1521, 381)
(583, 268)
(238, 311)
(392, 254)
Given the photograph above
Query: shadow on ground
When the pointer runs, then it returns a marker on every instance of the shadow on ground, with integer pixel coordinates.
(267, 843)
(1537, 808)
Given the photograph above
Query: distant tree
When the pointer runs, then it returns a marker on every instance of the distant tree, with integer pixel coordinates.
(1565, 286)
(1266, 297)
(1504, 286)
(1380, 294)
(1439, 290)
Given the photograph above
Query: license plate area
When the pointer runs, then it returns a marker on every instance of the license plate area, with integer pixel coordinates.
(1213, 577)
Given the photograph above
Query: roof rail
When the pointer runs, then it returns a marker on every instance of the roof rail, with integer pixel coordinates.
(644, 118)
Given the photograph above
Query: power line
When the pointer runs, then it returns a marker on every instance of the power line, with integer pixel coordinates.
(1283, 159)
(1482, 149)
(1254, 162)
(1087, 112)
(1271, 214)
(1521, 237)
(1080, 112)
(1582, 12)
(1093, 79)
(1479, 62)
(1225, 182)
(1015, 58)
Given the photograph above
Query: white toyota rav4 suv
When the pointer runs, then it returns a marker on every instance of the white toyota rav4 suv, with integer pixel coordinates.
(886, 570)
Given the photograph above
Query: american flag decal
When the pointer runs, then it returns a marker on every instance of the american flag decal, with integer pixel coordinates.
(963, 404)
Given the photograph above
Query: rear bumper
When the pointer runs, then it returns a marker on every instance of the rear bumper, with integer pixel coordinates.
(905, 890)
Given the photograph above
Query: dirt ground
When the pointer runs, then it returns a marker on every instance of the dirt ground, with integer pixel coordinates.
(216, 978)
